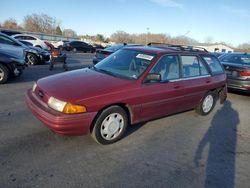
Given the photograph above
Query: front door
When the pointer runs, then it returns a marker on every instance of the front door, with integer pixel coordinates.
(164, 97)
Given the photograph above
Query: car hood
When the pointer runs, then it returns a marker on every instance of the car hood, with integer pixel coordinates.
(76, 86)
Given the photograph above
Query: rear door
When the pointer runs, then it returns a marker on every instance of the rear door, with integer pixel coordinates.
(196, 79)
(164, 97)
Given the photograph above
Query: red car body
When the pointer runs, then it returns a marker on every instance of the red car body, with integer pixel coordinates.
(97, 91)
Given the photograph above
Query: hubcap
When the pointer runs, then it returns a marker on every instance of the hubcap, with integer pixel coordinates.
(1, 74)
(207, 103)
(112, 126)
(31, 59)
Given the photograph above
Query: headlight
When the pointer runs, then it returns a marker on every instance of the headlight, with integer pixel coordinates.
(34, 87)
(65, 107)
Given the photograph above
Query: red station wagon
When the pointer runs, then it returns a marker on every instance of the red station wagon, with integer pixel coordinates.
(135, 84)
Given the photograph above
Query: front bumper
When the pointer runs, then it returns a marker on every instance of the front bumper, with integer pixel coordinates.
(243, 85)
(66, 124)
(44, 57)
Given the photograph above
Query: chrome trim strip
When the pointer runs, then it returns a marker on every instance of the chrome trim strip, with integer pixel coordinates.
(190, 78)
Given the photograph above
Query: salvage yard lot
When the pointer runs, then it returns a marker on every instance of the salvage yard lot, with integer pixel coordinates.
(182, 150)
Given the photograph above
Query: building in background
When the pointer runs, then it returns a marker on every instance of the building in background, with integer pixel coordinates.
(217, 48)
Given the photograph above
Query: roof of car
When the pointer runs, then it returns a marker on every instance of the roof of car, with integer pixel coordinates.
(162, 49)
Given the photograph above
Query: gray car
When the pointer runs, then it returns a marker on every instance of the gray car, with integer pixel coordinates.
(237, 66)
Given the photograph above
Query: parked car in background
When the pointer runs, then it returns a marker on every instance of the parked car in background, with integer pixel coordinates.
(218, 54)
(33, 55)
(9, 32)
(78, 46)
(37, 56)
(132, 85)
(59, 44)
(13, 46)
(237, 66)
(32, 39)
(10, 65)
(103, 53)
(50, 46)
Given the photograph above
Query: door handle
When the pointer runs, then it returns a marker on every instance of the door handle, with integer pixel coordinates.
(208, 81)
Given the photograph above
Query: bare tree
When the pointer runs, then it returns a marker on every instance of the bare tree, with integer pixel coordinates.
(40, 23)
(99, 38)
(121, 37)
(11, 24)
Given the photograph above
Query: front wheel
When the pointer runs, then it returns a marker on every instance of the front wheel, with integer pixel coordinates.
(110, 125)
(207, 104)
(32, 59)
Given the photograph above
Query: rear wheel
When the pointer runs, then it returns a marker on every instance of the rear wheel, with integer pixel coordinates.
(110, 125)
(4, 74)
(207, 104)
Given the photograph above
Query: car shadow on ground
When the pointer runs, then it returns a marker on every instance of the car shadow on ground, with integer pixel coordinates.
(222, 139)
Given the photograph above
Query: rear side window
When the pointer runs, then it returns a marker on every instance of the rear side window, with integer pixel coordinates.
(213, 64)
(192, 67)
(237, 58)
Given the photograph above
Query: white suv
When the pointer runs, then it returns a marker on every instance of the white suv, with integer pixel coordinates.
(32, 39)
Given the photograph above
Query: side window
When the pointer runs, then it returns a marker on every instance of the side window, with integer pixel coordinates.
(192, 67)
(213, 64)
(19, 37)
(5, 40)
(167, 67)
(29, 38)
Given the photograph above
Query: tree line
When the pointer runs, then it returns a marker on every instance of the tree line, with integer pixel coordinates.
(44, 23)
(41, 23)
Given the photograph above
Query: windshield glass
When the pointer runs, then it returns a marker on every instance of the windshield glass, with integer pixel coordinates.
(128, 64)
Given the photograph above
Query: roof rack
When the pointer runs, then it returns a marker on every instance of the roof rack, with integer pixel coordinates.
(178, 47)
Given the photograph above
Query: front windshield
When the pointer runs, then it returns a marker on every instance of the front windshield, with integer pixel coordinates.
(128, 64)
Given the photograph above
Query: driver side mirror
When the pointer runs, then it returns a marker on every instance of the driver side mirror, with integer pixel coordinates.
(152, 77)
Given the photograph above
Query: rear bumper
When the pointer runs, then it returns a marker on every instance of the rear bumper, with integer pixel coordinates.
(243, 85)
(76, 124)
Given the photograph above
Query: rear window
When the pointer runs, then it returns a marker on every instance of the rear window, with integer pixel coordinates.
(214, 64)
(236, 58)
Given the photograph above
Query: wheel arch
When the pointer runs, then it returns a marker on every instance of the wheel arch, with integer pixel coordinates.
(124, 106)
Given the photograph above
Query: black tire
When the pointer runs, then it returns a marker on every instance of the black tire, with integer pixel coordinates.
(207, 104)
(117, 127)
(32, 59)
(4, 74)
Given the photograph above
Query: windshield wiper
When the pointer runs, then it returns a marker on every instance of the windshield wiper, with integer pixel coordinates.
(105, 71)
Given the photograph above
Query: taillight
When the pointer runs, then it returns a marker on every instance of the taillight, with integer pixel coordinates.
(245, 73)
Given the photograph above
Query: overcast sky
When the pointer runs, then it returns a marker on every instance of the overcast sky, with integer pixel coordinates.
(219, 20)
